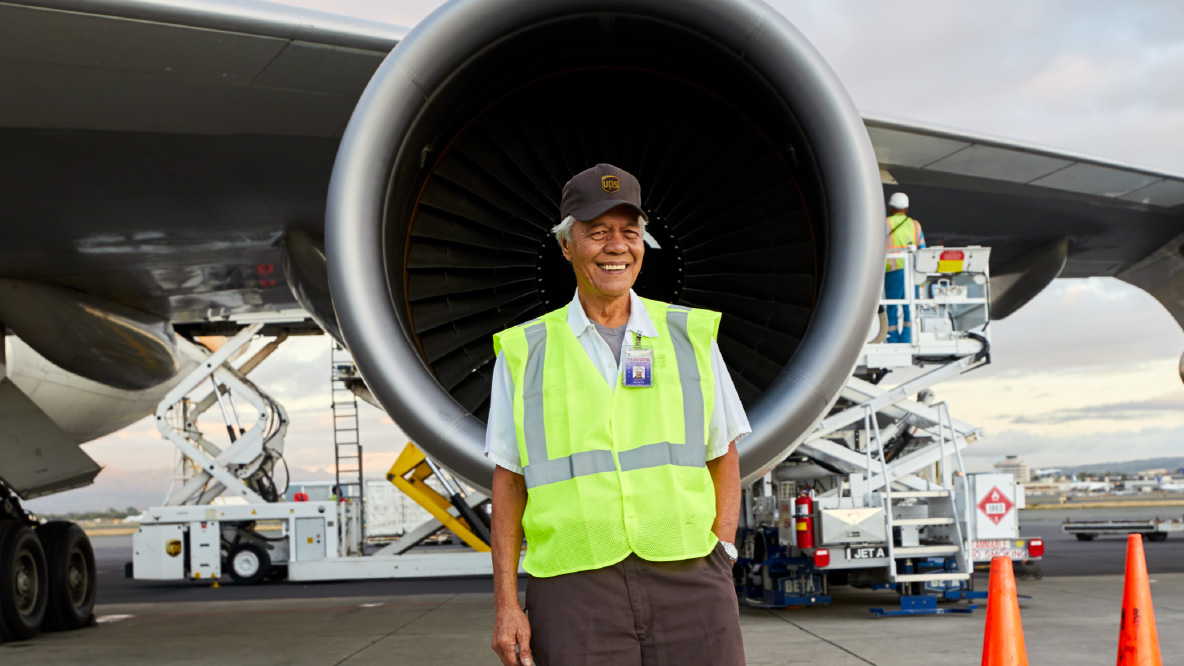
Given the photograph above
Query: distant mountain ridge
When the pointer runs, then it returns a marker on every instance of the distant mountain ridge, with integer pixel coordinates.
(140, 488)
(1173, 463)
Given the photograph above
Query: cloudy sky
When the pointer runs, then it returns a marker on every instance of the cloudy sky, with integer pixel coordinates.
(1085, 373)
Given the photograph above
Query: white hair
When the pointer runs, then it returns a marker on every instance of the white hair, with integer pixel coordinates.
(562, 230)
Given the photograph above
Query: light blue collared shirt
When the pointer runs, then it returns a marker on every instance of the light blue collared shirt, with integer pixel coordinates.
(728, 420)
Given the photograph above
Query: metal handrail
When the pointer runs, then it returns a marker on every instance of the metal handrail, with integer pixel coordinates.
(867, 449)
(945, 421)
(912, 301)
(887, 497)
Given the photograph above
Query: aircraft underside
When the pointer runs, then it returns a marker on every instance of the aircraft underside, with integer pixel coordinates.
(186, 170)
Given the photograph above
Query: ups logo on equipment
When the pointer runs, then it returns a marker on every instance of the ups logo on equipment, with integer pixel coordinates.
(610, 183)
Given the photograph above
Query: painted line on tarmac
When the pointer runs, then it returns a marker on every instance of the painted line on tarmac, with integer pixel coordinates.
(321, 609)
(394, 631)
(821, 638)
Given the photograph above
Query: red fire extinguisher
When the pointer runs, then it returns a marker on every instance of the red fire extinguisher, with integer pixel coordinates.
(803, 509)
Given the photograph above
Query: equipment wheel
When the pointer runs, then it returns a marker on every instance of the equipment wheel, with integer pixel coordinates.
(248, 563)
(24, 582)
(72, 581)
(278, 572)
(1085, 537)
(1157, 536)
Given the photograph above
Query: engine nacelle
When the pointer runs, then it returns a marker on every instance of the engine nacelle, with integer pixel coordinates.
(755, 167)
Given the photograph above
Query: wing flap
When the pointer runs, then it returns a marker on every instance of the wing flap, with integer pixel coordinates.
(39, 458)
(916, 146)
(1045, 213)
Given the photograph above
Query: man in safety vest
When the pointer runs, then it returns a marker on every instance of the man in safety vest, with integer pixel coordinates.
(903, 231)
(613, 423)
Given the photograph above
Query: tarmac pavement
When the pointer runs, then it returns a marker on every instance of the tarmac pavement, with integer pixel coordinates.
(1072, 618)
(1069, 620)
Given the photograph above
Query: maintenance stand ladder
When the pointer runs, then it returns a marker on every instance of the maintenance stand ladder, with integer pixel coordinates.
(347, 442)
(891, 447)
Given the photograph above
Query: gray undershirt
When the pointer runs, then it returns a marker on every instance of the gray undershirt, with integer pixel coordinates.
(615, 337)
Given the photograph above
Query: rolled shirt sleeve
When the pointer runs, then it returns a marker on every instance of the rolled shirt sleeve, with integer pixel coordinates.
(501, 440)
(729, 422)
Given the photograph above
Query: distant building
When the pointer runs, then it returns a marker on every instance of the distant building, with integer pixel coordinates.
(1042, 489)
(1015, 467)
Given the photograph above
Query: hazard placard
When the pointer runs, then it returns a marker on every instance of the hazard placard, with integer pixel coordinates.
(995, 505)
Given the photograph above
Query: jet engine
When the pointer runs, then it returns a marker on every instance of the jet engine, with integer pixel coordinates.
(756, 171)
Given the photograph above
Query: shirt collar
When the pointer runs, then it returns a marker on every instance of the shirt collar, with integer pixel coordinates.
(639, 317)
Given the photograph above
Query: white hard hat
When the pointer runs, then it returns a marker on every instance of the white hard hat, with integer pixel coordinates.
(899, 201)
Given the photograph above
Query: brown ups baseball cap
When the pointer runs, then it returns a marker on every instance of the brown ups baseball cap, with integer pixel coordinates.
(594, 191)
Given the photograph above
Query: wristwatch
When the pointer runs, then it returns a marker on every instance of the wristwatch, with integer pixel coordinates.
(730, 550)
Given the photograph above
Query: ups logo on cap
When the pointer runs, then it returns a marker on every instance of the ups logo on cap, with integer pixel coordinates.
(610, 184)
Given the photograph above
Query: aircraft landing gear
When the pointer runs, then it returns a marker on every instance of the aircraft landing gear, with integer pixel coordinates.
(47, 574)
(24, 581)
(72, 582)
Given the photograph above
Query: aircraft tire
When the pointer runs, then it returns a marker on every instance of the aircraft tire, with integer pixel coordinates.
(72, 581)
(24, 582)
(248, 563)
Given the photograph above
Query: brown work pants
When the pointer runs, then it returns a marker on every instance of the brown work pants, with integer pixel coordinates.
(638, 613)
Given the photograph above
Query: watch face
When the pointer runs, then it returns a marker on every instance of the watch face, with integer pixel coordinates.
(731, 551)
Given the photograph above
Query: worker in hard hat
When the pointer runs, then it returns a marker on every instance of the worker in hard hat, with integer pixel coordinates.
(903, 231)
(613, 423)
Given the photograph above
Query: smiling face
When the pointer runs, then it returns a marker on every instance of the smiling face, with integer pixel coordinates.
(606, 254)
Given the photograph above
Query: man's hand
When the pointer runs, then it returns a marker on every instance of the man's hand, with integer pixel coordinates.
(512, 630)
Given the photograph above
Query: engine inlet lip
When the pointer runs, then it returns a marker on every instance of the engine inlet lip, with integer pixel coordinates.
(374, 143)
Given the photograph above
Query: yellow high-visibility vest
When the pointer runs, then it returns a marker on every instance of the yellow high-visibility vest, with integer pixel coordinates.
(608, 470)
(903, 231)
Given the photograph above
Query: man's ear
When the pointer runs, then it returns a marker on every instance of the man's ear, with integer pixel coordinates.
(564, 245)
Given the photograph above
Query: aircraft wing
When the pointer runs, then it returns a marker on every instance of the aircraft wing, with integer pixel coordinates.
(169, 146)
(1044, 213)
(159, 157)
(154, 156)
(155, 153)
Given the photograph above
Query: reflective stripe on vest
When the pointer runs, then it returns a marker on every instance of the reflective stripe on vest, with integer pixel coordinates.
(542, 470)
(662, 453)
(688, 375)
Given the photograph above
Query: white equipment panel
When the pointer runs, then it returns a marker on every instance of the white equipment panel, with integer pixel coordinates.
(205, 550)
(310, 539)
(416, 564)
(158, 552)
(971, 259)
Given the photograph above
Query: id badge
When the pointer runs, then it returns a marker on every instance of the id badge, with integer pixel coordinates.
(639, 367)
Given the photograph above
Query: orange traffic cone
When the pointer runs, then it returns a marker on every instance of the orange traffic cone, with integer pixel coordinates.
(1138, 642)
(1003, 643)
